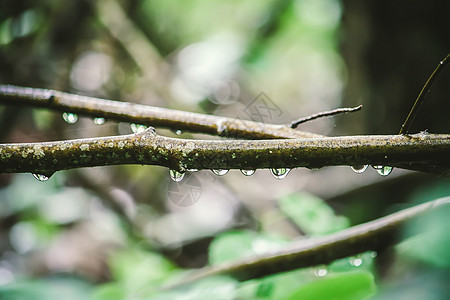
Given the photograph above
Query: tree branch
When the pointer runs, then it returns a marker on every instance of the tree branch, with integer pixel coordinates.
(148, 115)
(294, 124)
(375, 235)
(421, 97)
(411, 151)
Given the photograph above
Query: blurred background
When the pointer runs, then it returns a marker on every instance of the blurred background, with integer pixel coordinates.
(114, 232)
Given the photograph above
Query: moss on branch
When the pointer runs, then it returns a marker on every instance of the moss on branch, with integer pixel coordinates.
(147, 148)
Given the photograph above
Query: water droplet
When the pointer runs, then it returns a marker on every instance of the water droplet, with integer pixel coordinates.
(248, 172)
(70, 117)
(222, 128)
(41, 177)
(192, 170)
(377, 167)
(373, 254)
(137, 128)
(220, 172)
(320, 272)
(383, 170)
(280, 173)
(176, 176)
(359, 168)
(178, 132)
(356, 261)
(99, 121)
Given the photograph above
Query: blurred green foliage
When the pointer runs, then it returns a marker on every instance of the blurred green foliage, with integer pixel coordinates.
(290, 50)
(312, 214)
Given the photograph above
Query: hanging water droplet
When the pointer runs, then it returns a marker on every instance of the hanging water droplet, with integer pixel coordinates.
(222, 128)
(280, 173)
(178, 132)
(356, 261)
(41, 177)
(220, 172)
(384, 170)
(192, 170)
(320, 272)
(359, 168)
(176, 176)
(70, 117)
(137, 128)
(248, 172)
(99, 121)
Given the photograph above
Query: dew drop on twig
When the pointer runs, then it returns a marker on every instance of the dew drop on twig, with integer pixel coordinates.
(356, 261)
(385, 171)
(176, 176)
(220, 172)
(248, 172)
(137, 128)
(70, 117)
(320, 272)
(99, 121)
(359, 168)
(280, 173)
(41, 177)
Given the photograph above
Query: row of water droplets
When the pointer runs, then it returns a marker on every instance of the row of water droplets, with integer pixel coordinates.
(382, 170)
(277, 173)
(354, 261)
(280, 173)
(72, 118)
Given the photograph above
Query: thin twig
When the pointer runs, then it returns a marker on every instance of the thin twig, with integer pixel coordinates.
(375, 235)
(147, 115)
(416, 106)
(179, 154)
(333, 112)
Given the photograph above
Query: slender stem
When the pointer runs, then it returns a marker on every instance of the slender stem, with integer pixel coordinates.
(333, 112)
(375, 235)
(181, 155)
(420, 98)
(148, 115)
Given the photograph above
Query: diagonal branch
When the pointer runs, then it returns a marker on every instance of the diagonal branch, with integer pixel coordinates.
(412, 151)
(294, 124)
(421, 97)
(148, 115)
(375, 235)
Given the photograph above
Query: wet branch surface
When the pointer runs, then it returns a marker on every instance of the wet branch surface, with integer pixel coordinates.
(147, 148)
(423, 152)
(375, 235)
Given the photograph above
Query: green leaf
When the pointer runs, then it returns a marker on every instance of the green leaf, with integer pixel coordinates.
(55, 288)
(311, 214)
(216, 287)
(238, 244)
(430, 239)
(351, 285)
(109, 291)
(138, 270)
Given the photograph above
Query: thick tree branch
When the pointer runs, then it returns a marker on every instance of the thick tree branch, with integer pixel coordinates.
(412, 151)
(375, 235)
(148, 115)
